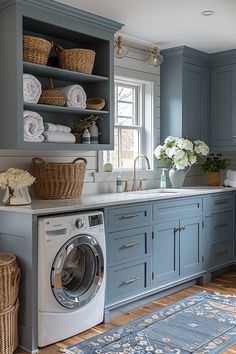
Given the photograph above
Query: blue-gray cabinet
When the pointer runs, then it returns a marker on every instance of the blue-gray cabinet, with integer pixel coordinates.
(185, 94)
(69, 28)
(223, 106)
(219, 228)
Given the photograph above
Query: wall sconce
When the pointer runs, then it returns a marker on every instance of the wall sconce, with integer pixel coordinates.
(152, 57)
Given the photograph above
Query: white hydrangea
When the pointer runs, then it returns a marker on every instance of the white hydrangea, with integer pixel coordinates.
(180, 153)
(201, 148)
(185, 144)
(15, 177)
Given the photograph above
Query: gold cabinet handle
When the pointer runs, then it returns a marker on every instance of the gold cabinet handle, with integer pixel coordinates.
(222, 201)
(128, 216)
(126, 282)
(129, 245)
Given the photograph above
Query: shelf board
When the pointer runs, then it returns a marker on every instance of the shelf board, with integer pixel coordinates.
(64, 146)
(57, 73)
(58, 109)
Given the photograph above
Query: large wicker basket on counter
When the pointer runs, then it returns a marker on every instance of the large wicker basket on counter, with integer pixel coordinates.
(76, 59)
(59, 180)
(9, 329)
(9, 280)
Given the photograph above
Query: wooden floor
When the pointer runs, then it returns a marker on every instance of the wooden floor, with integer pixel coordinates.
(225, 284)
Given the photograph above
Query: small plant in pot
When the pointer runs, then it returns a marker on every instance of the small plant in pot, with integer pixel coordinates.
(79, 127)
(213, 164)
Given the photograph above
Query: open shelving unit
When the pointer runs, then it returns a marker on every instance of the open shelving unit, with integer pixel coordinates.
(69, 28)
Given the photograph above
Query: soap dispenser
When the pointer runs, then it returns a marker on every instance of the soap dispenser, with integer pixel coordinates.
(163, 178)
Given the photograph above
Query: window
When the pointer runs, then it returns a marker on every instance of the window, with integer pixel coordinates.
(129, 129)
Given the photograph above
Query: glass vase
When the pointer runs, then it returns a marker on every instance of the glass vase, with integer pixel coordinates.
(17, 196)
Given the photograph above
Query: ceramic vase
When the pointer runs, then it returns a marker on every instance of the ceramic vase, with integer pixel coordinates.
(17, 196)
(177, 177)
(213, 179)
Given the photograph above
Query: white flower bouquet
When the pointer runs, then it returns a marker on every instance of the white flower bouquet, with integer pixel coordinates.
(15, 177)
(180, 153)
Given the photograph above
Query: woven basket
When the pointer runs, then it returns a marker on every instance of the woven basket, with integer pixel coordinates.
(52, 96)
(59, 180)
(9, 280)
(36, 49)
(77, 59)
(9, 329)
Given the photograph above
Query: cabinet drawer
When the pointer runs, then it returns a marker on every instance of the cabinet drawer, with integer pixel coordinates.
(219, 226)
(220, 201)
(128, 217)
(128, 280)
(163, 211)
(218, 253)
(126, 245)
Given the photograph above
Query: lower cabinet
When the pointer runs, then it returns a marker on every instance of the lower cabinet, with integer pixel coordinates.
(177, 249)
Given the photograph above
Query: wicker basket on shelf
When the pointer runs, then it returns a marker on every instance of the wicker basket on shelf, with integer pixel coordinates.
(9, 329)
(9, 280)
(52, 96)
(59, 180)
(77, 59)
(36, 49)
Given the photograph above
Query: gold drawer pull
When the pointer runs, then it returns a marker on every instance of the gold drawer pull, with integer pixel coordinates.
(222, 201)
(220, 253)
(129, 216)
(126, 282)
(129, 245)
(219, 226)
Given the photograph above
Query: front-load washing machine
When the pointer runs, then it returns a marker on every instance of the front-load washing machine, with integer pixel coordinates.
(71, 275)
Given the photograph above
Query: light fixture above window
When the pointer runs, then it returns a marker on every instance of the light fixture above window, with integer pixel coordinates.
(152, 57)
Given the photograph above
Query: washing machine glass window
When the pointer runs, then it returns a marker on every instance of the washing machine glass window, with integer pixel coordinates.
(77, 271)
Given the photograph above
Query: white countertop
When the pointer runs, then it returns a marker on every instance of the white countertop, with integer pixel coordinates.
(88, 201)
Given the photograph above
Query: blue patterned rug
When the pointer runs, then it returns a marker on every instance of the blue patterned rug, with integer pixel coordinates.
(203, 323)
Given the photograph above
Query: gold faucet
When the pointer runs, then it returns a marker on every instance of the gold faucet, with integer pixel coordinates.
(134, 173)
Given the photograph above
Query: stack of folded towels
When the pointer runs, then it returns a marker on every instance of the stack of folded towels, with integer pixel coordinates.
(32, 88)
(33, 127)
(56, 133)
(230, 180)
(75, 96)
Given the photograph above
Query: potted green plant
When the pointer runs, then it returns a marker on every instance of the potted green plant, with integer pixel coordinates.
(79, 127)
(213, 164)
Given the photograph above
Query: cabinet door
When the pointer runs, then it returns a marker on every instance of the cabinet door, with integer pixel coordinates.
(191, 246)
(165, 257)
(195, 102)
(223, 106)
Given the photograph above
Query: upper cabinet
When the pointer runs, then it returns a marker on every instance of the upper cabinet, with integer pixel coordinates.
(69, 28)
(223, 103)
(185, 94)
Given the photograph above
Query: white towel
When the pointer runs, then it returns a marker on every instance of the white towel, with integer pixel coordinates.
(75, 96)
(58, 137)
(230, 174)
(32, 88)
(229, 183)
(33, 126)
(50, 127)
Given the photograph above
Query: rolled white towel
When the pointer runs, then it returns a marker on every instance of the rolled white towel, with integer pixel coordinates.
(58, 137)
(32, 88)
(230, 174)
(50, 127)
(75, 96)
(229, 183)
(33, 126)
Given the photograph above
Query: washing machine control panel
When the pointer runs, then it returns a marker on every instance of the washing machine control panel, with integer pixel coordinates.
(95, 220)
(79, 223)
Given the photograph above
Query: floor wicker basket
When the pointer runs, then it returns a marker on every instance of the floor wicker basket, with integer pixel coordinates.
(9, 329)
(59, 180)
(9, 280)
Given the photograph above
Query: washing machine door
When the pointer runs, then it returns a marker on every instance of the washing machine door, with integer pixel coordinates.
(77, 271)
